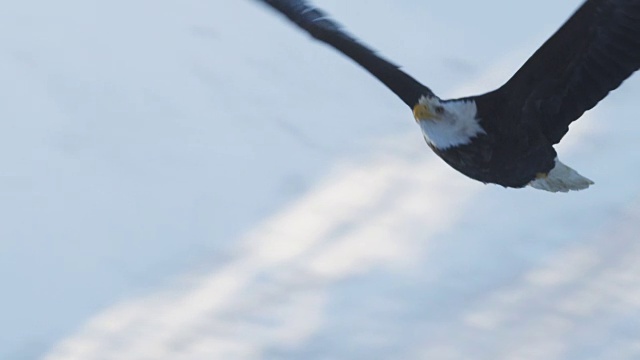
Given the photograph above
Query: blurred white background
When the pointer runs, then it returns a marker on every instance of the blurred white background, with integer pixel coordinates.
(198, 179)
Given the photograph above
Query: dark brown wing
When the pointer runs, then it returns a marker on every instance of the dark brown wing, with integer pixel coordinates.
(321, 27)
(590, 55)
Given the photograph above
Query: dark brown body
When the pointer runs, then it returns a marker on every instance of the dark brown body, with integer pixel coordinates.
(513, 151)
(500, 161)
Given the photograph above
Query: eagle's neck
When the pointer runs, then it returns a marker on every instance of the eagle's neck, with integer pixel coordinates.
(457, 126)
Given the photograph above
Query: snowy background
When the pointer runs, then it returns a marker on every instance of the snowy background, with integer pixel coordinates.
(197, 179)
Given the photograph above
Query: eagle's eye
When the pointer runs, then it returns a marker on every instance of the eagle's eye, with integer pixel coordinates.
(439, 110)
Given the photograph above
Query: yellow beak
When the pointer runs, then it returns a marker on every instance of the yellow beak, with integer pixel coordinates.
(422, 112)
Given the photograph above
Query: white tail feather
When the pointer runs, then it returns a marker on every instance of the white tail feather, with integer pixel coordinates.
(561, 179)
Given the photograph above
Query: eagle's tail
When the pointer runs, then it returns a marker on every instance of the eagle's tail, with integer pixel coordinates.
(561, 179)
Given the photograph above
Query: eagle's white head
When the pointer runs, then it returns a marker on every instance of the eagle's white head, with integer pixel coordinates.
(447, 124)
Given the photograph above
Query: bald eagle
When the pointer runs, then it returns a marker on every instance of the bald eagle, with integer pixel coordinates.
(506, 136)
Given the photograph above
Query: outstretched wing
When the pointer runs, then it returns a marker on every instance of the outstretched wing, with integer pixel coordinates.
(321, 27)
(590, 55)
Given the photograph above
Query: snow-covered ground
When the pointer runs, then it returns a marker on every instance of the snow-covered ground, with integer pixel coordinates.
(197, 179)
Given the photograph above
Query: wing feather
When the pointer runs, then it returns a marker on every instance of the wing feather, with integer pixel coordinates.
(319, 25)
(589, 56)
